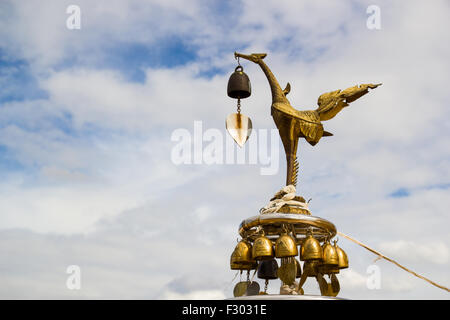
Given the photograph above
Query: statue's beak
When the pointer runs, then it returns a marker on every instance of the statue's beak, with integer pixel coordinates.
(244, 56)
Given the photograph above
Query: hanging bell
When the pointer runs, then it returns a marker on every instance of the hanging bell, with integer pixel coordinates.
(285, 246)
(242, 256)
(342, 258)
(268, 269)
(310, 249)
(262, 248)
(330, 256)
(243, 266)
(238, 125)
(327, 269)
(239, 84)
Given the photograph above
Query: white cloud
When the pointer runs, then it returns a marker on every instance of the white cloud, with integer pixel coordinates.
(351, 279)
(432, 252)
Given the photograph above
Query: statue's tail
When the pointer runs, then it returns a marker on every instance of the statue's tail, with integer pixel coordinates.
(292, 170)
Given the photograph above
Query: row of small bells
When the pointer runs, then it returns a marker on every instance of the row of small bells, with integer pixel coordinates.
(318, 260)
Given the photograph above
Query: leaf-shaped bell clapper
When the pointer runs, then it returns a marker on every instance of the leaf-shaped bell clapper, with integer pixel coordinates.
(330, 256)
(239, 84)
(262, 248)
(310, 249)
(268, 269)
(285, 246)
(342, 258)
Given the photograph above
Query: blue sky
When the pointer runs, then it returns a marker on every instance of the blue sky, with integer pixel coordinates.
(18, 82)
(86, 118)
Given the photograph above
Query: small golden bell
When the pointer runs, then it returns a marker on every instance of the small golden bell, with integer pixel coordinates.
(262, 248)
(285, 246)
(330, 256)
(310, 249)
(342, 258)
(241, 258)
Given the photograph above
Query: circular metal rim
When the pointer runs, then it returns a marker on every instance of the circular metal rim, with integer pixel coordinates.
(322, 228)
(286, 297)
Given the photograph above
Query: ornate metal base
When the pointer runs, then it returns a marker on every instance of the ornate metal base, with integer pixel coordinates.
(286, 297)
(294, 209)
(272, 224)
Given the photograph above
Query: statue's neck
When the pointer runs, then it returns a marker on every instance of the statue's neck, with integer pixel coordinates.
(277, 92)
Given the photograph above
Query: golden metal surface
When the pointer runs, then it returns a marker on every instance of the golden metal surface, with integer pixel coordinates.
(293, 209)
(288, 271)
(330, 256)
(326, 269)
(285, 223)
(323, 285)
(272, 224)
(285, 246)
(242, 253)
(335, 286)
(240, 288)
(299, 269)
(262, 248)
(294, 124)
(243, 266)
(342, 257)
(311, 249)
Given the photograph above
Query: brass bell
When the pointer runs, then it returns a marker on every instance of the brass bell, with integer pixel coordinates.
(285, 246)
(239, 258)
(268, 269)
(310, 249)
(239, 84)
(242, 254)
(342, 258)
(330, 256)
(262, 248)
(327, 269)
(243, 266)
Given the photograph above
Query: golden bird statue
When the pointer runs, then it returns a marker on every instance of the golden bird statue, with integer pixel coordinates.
(294, 124)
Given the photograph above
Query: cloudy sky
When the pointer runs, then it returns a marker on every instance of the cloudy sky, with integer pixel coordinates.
(87, 116)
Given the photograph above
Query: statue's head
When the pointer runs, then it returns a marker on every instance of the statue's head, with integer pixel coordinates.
(254, 57)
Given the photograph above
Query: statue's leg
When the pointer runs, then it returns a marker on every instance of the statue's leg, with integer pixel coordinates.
(323, 285)
(335, 283)
(289, 134)
(302, 281)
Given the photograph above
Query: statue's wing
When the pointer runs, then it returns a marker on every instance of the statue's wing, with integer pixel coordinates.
(310, 126)
(331, 103)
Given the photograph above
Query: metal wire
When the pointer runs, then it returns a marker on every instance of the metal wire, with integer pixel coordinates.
(382, 256)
